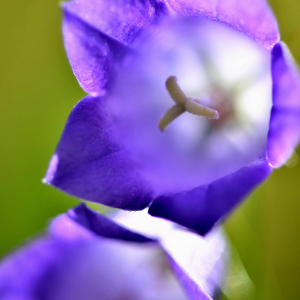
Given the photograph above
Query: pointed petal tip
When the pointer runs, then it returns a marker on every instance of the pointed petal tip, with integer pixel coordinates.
(51, 169)
(95, 169)
(284, 128)
(202, 208)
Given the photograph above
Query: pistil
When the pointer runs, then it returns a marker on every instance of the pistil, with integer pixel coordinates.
(183, 104)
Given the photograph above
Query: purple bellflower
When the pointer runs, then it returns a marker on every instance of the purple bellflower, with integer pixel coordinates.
(191, 105)
(88, 256)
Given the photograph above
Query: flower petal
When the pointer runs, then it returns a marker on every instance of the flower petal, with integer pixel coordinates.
(71, 264)
(284, 131)
(23, 274)
(199, 262)
(103, 226)
(253, 17)
(118, 19)
(199, 209)
(91, 53)
(89, 164)
(50, 269)
(96, 32)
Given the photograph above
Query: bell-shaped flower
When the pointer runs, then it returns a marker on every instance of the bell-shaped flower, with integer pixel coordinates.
(191, 105)
(88, 256)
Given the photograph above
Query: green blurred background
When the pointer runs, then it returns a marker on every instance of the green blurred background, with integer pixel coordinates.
(38, 91)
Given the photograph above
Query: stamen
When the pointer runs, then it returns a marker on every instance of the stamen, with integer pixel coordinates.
(170, 115)
(175, 91)
(195, 108)
(183, 103)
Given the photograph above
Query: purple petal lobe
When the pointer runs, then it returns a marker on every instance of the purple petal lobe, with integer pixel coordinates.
(254, 17)
(96, 32)
(91, 53)
(119, 19)
(68, 264)
(90, 165)
(51, 269)
(199, 209)
(23, 274)
(284, 131)
(103, 226)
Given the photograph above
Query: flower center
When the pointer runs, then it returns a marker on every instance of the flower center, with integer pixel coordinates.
(183, 104)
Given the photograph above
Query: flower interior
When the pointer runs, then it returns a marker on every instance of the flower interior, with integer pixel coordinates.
(219, 125)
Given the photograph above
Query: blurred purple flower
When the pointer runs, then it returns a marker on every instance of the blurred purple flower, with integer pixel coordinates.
(226, 54)
(88, 256)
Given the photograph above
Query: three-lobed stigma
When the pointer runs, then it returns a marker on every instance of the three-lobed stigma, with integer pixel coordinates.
(183, 104)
